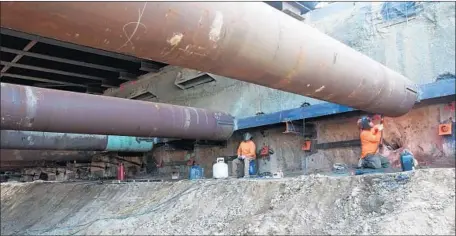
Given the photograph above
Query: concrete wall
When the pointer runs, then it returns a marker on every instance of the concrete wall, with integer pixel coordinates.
(287, 153)
(239, 98)
(421, 47)
(416, 131)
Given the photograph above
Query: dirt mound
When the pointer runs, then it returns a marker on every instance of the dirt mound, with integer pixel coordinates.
(420, 202)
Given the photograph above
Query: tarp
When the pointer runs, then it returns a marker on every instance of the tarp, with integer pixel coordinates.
(394, 10)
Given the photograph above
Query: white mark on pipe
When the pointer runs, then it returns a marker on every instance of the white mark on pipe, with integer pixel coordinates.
(216, 27)
(329, 96)
(30, 140)
(186, 51)
(138, 23)
(197, 116)
(17, 155)
(187, 118)
(207, 119)
(176, 39)
(308, 85)
(31, 105)
(320, 89)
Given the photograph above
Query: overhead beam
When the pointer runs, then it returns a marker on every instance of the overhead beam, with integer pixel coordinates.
(18, 56)
(148, 67)
(23, 77)
(61, 60)
(59, 72)
(58, 43)
(94, 90)
(127, 76)
(51, 85)
(47, 110)
(227, 39)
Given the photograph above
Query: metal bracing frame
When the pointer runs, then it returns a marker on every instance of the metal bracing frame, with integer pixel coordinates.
(18, 56)
(62, 60)
(60, 72)
(42, 80)
(91, 75)
(149, 67)
(127, 76)
(68, 45)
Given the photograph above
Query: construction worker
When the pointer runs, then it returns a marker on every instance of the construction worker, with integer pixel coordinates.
(245, 153)
(370, 140)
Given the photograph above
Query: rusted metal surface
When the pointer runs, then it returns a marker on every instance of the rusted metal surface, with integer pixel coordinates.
(248, 41)
(39, 109)
(44, 155)
(16, 139)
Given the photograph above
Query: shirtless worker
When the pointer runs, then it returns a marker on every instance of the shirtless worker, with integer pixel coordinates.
(370, 140)
(245, 153)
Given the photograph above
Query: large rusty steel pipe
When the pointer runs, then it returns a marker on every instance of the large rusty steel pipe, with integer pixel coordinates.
(47, 110)
(248, 41)
(17, 139)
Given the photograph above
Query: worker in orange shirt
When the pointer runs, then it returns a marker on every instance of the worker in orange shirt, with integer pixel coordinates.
(370, 140)
(245, 153)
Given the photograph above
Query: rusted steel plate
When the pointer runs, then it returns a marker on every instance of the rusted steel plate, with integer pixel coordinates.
(248, 41)
(47, 110)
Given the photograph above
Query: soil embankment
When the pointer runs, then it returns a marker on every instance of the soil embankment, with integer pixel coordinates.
(420, 202)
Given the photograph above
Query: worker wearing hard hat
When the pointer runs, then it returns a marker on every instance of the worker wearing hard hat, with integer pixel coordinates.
(245, 153)
(370, 140)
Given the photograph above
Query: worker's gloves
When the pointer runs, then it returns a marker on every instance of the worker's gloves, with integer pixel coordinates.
(360, 163)
(379, 127)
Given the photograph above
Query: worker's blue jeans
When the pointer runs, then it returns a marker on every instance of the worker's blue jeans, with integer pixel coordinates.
(237, 163)
(375, 161)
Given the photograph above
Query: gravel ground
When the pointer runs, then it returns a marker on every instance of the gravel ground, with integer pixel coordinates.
(419, 202)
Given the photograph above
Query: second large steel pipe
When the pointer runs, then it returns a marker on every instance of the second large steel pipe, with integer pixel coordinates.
(248, 41)
(16, 139)
(47, 110)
